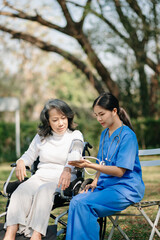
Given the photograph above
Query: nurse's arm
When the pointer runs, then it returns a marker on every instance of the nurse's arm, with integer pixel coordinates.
(96, 177)
(110, 170)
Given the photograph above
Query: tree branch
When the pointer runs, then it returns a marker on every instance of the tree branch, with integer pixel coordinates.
(155, 32)
(37, 18)
(86, 9)
(66, 13)
(152, 65)
(129, 41)
(135, 7)
(78, 34)
(100, 16)
(125, 21)
(52, 48)
(7, 4)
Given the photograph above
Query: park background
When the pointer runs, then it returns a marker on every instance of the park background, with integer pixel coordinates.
(74, 50)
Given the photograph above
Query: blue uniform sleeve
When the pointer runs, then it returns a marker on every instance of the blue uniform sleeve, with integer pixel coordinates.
(128, 151)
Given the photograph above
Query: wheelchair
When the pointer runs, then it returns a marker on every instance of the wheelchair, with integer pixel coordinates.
(61, 200)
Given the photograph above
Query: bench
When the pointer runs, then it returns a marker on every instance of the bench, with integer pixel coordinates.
(141, 206)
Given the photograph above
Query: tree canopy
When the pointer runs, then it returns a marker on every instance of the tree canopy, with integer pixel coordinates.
(117, 41)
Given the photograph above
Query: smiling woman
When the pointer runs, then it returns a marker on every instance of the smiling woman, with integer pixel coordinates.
(33, 199)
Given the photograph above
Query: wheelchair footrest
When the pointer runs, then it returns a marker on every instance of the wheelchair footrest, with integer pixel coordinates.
(51, 233)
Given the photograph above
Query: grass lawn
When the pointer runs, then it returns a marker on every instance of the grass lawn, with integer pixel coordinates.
(135, 227)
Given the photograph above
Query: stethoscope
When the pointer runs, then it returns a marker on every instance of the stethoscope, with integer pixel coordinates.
(106, 159)
(115, 137)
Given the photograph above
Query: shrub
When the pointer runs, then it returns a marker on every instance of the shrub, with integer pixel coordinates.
(147, 131)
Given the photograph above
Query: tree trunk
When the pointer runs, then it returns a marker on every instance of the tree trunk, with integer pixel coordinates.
(154, 94)
(144, 96)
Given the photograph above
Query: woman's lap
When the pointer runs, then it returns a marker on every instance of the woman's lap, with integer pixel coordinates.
(104, 201)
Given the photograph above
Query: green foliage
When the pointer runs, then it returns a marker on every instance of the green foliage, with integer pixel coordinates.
(28, 131)
(90, 128)
(7, 139)
(69, 85)
(7, 142)
(147, 131)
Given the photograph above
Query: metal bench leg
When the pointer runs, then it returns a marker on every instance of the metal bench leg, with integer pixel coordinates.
(153, 225)
(115, 225)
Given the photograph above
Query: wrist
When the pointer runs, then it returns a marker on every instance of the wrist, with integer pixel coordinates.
(19, 160)
(67, 169)
(88, 164)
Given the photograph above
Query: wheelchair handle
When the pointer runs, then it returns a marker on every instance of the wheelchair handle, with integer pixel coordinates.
(13, 165)
(87, 145)
(8, 179)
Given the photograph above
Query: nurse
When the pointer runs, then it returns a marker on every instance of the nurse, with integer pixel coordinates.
(118, 182)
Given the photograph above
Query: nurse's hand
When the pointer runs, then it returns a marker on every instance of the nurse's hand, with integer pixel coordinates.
(20, 170)
(91, 186)
(65, 178)
(82, 163)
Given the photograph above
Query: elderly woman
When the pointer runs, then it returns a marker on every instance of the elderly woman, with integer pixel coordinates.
(32, 201)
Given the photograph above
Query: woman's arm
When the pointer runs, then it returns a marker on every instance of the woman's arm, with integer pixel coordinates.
(27, 158)
(75, 152)
(65, 178)
(32, 152)
(20, 170)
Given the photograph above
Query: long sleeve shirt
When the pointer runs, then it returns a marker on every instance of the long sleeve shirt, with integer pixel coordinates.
(52, 152)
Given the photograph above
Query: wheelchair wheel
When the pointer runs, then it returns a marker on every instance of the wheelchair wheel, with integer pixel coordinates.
(86, 182)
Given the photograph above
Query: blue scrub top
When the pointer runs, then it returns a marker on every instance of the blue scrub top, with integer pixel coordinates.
(122, 154)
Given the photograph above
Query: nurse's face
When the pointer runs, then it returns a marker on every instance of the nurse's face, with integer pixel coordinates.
(58, 121)
(105, 117)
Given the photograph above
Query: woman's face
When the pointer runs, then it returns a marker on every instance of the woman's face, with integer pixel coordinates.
(104, 116)
(58, 121)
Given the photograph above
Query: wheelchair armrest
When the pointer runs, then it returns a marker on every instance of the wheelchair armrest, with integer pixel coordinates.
(11, 186)
(14, 165)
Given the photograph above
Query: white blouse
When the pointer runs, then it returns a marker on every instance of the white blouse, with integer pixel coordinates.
(52, 152)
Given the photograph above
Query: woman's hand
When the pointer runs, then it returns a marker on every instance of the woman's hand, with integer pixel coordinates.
(20, 170)
(80, 164)
(65, 178)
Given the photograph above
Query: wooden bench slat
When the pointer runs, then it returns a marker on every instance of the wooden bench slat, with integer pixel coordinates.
(149, 152)
(150, 163)
(143, 204)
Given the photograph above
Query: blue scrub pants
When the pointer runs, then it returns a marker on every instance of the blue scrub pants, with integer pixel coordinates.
(85, 208)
